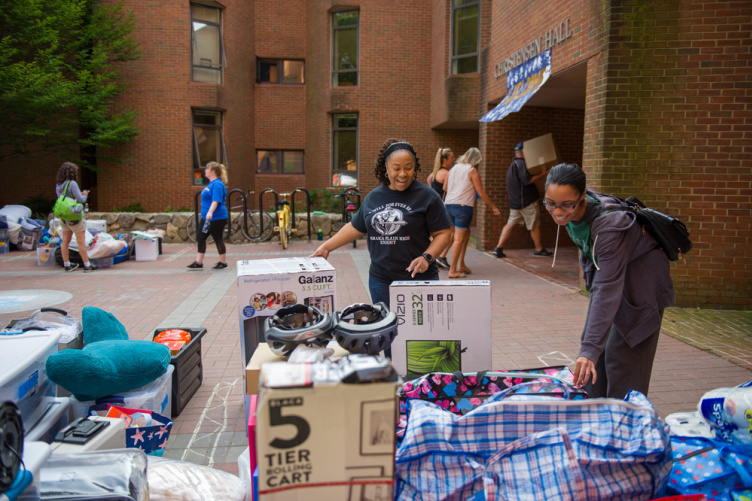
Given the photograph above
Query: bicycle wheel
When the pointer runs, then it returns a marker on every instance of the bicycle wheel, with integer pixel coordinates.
(254, 226)
(190, 229)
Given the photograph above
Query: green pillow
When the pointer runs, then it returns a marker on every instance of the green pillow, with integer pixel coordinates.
(108, 367)
(110, 363)
(100, 325)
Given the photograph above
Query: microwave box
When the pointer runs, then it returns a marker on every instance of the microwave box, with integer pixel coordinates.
(540, 153)
(266, 285)
(444, 326)
(318, 438)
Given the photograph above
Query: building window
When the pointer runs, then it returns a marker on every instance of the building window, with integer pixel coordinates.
(345, 149)
(465, 36)
(345, 48)
(207, 50)
(280, 71)
(280, 162)
(208, 142)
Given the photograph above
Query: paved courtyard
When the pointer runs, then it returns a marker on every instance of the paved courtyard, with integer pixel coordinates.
(537, 317)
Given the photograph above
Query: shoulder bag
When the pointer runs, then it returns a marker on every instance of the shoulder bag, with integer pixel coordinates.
(66, 208)
(670, 233)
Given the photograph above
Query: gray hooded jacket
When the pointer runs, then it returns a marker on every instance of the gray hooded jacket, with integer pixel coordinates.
(629, 280)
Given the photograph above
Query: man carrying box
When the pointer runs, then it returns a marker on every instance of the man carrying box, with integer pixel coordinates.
(523, 203)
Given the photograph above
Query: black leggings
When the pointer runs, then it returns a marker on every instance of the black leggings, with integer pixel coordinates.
(216, 228)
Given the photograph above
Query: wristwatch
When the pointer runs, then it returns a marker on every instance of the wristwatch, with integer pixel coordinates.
(428, 257)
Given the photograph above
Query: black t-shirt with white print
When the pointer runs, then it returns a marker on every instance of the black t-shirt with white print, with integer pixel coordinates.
(399, 226)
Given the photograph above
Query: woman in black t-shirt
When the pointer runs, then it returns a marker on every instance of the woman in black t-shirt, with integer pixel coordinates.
(405, 222)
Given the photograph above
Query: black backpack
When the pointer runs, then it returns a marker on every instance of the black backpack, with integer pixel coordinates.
(670, 233)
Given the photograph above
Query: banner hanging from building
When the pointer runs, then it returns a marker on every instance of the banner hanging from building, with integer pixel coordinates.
(522, 82)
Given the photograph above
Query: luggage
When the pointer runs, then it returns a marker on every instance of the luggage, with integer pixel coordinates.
(717, 469)
(534, 448)
(460, 393)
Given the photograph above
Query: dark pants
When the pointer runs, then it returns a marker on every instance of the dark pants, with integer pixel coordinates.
(216, 228)
(621, 368)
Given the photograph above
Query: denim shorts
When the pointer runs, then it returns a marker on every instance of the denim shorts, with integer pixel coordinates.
(461, 216)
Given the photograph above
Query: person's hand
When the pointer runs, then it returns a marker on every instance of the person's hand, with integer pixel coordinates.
(417, 265)
(85, 193)
(209, 216)
(496, 211)
(583, 369)
(320, 252)
(545, 171)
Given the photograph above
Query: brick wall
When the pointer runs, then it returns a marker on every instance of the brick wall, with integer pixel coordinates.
(677, 131)
(159, 172)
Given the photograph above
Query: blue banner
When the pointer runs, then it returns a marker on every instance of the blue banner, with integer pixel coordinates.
(522, 82)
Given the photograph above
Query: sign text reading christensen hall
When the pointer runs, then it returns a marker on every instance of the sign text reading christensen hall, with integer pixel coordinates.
(552, 37)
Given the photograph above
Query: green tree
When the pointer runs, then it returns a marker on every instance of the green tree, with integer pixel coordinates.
(58, 77)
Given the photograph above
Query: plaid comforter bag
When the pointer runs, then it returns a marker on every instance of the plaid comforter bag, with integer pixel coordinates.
(460, 393)
(545, 448)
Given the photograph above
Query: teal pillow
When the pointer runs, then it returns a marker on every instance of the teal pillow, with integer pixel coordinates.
(108, 367)
(100, 325)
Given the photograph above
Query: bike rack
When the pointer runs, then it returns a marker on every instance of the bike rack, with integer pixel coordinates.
(261, 206)
(229, 209)
(308, 208)
(196, 217)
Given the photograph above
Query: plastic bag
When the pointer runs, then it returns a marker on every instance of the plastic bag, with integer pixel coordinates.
(689, 424)
(309, 354)
(112, 474)
(173, 480)
(729, 411)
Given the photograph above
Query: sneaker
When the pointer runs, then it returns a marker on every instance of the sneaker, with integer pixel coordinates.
(499, 252)
(442, 262)
(73, 266)
(195, 266)
(219, 266)
(91, 267)
(542, 253)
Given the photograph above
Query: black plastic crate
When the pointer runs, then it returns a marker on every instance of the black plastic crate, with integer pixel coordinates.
(189, 370)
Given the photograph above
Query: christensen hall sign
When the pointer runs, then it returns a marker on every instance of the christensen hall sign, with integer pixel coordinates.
(550, 38)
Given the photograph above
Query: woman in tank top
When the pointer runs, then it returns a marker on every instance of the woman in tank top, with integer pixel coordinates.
(461, 185)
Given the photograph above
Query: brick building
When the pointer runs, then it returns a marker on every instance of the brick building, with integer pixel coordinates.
(652, 98)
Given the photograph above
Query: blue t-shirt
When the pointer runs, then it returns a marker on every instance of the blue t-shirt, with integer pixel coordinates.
(215, 191)
(399, 226)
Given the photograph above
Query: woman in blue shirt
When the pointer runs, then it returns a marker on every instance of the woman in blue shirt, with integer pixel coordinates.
(214, 214)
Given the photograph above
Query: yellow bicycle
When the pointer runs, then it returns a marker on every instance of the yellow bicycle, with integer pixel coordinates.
(284, 220)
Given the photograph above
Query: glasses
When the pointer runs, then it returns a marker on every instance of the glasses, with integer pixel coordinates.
(565, 207)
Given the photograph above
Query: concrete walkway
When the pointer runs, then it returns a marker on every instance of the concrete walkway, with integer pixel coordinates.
(538, 313)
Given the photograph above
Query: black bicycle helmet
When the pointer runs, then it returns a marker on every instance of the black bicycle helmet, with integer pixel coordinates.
(362, 328)
(297, 324)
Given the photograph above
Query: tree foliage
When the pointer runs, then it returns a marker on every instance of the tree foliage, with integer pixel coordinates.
(58, 76)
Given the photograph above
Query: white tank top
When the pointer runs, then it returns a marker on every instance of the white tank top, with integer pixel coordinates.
(460, 189)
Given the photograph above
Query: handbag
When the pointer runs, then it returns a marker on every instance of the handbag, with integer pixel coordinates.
(535, 448)
(670, 233)
(66, 208)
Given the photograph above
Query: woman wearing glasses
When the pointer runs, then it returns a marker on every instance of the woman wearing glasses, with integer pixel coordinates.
(628, 278)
